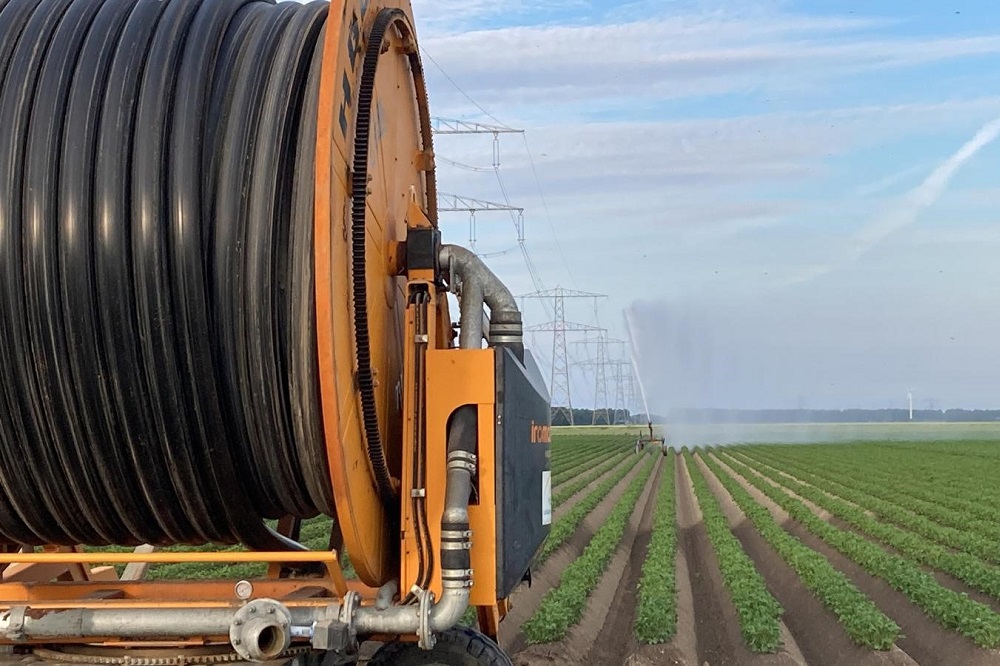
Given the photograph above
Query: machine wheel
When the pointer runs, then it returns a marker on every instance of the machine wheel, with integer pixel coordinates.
(455, 647)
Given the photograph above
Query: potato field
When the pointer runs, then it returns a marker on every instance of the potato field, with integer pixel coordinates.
(854, 553)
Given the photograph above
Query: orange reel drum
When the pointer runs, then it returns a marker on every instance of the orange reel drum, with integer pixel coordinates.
(395, 134)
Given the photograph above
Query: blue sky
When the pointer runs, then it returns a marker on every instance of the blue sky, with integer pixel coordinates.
(772, 174)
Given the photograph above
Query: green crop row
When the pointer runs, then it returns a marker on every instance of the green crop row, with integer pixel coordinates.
(565, 475)
(979, 536)
(563, 606)
(571, 444)
(564, 443)
(759, 612)
(888, 506)
(573, 458)
(960, 486)
(571, 488)
(563, 462)
(863, 622)
(951, 609)
(656, 609)
(563, 528)
(965, 567)
(570, 458)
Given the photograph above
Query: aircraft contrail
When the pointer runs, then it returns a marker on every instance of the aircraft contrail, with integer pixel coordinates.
(906, 211)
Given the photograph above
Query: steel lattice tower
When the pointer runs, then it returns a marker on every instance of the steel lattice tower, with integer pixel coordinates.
(601, 382)
(455, 203)
(601, 361)
(559, 386)
(621, 403)
(630, 391)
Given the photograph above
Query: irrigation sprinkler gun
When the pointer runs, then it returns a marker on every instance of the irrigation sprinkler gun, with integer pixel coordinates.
(651, 440)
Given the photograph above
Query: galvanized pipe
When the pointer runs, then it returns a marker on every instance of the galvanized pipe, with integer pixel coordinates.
(505, 317)
(385, 595)
(456, 539)
(471, 314)
(147, 623)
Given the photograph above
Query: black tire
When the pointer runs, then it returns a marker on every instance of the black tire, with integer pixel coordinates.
(455, 647)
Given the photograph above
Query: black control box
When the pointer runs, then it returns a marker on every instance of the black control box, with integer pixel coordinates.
(524, 481)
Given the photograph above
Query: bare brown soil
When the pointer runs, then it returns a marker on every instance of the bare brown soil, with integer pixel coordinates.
(821, 639)
(923, 639)
(716, 622)
(602, 636)
(620, 587)
(943, 579)
(525, 600)
(566, 506)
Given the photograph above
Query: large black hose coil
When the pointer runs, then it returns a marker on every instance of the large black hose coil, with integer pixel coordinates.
(157, 327)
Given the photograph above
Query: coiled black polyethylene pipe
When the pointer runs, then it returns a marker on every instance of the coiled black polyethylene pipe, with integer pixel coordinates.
(158, 372)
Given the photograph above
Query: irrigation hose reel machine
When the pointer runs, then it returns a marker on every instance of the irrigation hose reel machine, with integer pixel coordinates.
(225, 311)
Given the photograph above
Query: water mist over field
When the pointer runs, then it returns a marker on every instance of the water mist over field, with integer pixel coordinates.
(814, 344)
(791, 354)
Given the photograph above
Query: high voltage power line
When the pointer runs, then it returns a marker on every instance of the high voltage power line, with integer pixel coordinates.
(552, 300)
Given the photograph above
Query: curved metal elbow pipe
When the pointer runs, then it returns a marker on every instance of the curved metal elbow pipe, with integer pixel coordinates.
(480, 285)
(456, 542)
(385, 595)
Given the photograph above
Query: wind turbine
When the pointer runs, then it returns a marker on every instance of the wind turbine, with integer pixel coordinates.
(909, 401)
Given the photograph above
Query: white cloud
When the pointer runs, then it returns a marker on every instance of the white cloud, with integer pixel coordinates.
(906, 210)
(676, 56)
(651, 163)
(457, 15)
(666, 177)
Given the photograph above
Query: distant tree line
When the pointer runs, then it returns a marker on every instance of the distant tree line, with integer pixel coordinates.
(828, 415)
(585, 416)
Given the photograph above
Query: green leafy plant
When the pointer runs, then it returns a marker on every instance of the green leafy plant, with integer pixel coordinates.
(563, 606)
(759, 612)
(951, 609)
(574, 486)
(563, 528)
(863, 622)
(656, 608)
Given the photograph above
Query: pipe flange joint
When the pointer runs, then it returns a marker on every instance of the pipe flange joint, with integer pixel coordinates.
(469, 467)
(425, 637)
(462, 455)
(261, 630)
(347, 608)
(456, 535)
